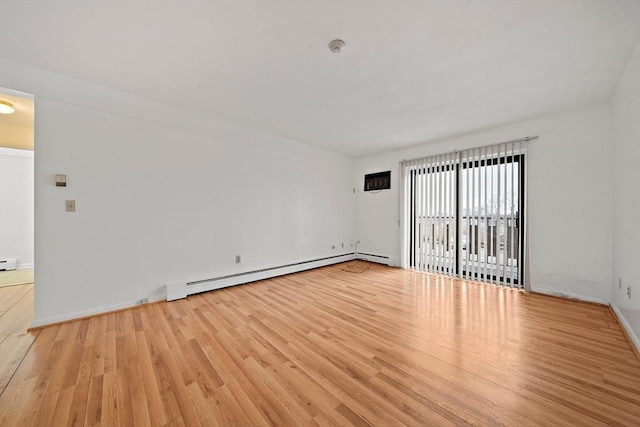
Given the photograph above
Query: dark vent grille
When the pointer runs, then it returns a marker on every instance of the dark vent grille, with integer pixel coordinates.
(377, 181)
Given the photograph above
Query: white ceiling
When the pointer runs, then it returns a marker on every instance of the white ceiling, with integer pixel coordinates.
(411, 72)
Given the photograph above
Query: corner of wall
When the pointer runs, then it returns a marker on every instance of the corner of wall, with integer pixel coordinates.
(625, 114)
(635, 340)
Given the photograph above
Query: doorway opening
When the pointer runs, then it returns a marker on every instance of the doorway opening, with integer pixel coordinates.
(16, 187)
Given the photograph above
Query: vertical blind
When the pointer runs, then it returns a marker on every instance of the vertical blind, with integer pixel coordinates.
(464, 213)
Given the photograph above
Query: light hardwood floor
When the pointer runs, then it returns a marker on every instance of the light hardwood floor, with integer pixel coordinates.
(16, 315)
(384, 347)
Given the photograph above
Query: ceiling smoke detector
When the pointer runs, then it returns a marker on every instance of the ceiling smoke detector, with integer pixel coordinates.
(336, 46)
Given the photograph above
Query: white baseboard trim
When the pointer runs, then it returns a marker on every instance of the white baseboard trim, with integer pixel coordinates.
(380, 259)
(555, 293)
(627, 327)
(183, 289)
(25, 266)
(38, 323)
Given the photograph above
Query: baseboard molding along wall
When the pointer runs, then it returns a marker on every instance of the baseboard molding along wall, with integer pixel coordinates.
(38, 323)
(554, 293)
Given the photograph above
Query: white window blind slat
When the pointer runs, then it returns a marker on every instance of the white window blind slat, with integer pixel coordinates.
(438, 218)
(512, 216)
(520, 216)
(468, 208)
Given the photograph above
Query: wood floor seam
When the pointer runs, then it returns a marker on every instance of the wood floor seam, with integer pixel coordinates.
(17, 368)
(26, 291)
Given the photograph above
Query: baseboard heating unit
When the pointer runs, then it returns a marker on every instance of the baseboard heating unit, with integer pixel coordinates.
(380, 259)
(183, 289)
(8, 264)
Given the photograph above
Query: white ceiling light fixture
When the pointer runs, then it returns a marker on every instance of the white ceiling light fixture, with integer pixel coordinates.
(336, 46)
(6, 107)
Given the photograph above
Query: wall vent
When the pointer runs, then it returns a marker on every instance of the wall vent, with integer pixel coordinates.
(377, 181)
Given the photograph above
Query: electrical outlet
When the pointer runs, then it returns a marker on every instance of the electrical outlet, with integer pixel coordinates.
(619, 282)
(629, 291)
(238, 259)
(333, 246)
(70, 205)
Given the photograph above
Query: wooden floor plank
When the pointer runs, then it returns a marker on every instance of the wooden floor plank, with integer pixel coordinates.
(324, 347)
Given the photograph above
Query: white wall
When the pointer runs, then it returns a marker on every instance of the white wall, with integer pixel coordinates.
(16, 205)
(626, 196)
(166, 195)
(570, 218)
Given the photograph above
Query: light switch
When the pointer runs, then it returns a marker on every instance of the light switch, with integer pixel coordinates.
(70, 205)
(61, 180)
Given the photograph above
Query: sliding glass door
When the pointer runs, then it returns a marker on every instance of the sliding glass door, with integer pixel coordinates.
(464, 214)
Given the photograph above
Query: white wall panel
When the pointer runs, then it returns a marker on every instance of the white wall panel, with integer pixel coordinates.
(165, 196)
